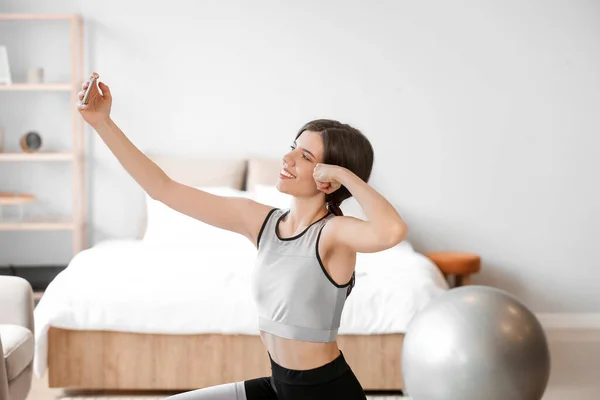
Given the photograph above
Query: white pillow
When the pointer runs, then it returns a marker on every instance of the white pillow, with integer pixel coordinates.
(168, 226)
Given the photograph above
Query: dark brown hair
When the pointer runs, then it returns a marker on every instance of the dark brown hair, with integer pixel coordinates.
(345, 146)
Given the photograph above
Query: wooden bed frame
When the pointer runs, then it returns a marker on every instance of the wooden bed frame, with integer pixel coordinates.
(102, 360)
(132, 361)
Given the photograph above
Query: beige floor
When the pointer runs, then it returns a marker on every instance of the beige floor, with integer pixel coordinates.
(575, 370)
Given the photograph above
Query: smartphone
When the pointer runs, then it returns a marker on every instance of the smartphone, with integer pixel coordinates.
(88, 90)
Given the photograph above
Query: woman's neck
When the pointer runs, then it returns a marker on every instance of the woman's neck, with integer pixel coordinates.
(303, 212)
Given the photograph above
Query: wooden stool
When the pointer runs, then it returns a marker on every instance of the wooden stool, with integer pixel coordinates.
(457, 264)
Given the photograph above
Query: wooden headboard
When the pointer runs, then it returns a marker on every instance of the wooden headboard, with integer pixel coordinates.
(202, 171)
(199, 172)
(262, 171)
(237, 173)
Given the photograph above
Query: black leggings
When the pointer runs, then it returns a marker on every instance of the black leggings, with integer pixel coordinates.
(331, 381)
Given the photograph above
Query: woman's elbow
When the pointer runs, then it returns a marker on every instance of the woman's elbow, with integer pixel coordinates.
(396, 235)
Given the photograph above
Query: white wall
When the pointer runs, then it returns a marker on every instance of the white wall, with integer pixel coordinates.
(483, 116)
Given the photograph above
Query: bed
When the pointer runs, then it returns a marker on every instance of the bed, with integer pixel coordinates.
(172, 309)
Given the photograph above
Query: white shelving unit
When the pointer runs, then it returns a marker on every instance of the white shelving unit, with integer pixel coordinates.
(76, 155)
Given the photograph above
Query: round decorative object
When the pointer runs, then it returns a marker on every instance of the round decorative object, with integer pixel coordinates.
(475, 343)
(31, 142)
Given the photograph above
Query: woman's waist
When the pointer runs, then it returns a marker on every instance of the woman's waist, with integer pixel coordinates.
(299, 355)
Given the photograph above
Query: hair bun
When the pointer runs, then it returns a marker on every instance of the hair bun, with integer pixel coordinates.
(334, 208)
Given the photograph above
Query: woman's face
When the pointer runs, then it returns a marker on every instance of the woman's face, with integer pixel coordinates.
(296, 175)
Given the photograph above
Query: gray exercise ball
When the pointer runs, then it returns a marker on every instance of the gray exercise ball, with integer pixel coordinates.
(475, 343)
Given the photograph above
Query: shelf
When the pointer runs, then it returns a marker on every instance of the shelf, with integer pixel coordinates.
(58, 156)
(72, 156)
(22, 17)
(13, 199)
(50, 87)
(37, 224)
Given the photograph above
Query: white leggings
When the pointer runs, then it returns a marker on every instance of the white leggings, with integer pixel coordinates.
(227, 391)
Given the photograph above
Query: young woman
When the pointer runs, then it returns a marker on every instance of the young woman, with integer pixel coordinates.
(306, 255)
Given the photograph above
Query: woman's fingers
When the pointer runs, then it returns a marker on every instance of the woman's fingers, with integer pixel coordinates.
(324, 186)
(84, 87)
(85, 84)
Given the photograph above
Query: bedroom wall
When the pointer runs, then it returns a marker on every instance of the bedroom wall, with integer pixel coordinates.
(483, 115)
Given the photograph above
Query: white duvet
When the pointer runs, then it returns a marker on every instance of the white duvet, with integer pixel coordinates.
(144, 287)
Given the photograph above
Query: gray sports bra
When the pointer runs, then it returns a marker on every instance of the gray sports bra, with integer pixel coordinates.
(295, 296)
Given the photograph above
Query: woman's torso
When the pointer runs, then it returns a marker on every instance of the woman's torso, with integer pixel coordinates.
(299, 303)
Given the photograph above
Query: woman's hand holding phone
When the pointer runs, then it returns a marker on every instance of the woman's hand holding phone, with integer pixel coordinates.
(95, 101)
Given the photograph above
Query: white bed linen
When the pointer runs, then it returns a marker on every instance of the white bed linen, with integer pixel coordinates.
(133, 286)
